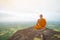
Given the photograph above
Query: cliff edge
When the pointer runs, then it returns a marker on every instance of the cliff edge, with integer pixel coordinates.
(31, 34)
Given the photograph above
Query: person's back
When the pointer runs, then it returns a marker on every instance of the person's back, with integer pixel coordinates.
(41, 23)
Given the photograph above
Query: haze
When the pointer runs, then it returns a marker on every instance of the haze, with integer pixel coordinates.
(29, 10)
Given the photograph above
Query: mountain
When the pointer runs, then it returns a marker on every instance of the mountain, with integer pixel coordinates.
(31, 34)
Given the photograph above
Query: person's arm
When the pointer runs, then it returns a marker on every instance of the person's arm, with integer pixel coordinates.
(37, 22)
(44, 23)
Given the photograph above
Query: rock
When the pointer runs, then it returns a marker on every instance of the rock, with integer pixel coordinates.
(31, 34)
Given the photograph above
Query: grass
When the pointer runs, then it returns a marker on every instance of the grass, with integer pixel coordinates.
(7, 31)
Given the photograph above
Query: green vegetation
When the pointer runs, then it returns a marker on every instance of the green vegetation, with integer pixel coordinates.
(36, 38)
(8, 29)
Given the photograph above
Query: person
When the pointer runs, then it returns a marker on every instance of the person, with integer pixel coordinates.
(41, 23)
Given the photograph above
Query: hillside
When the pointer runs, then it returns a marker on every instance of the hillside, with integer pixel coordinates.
(31, 34)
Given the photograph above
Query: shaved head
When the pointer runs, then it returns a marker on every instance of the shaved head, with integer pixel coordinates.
(41, 15)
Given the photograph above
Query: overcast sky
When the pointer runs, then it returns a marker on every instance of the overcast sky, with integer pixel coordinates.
(29, 10)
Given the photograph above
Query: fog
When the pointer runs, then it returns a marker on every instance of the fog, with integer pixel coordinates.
(29, 10)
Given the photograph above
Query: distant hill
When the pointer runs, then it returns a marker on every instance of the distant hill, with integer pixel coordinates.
(31, 34)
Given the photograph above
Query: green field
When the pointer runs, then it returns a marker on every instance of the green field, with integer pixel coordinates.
(8, 29)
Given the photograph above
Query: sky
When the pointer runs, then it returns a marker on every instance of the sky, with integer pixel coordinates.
(29, 10)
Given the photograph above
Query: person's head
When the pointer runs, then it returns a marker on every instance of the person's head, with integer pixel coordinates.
(41, 16)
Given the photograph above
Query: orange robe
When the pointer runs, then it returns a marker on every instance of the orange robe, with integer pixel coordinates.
(41, 23)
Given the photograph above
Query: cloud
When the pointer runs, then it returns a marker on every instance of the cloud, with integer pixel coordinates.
(14, 9)
(30, 5)
(3, 15)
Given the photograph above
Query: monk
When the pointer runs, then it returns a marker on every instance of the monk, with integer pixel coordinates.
(41, 23)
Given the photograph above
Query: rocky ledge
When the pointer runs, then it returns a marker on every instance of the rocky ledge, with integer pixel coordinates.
(31, 34)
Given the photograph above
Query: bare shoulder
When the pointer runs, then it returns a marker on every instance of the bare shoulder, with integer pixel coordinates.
(44, 19)
(38, 19)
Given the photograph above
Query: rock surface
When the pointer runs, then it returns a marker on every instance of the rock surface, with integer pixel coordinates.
(31, 34)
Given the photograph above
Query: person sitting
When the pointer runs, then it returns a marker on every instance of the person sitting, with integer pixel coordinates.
(41, 23)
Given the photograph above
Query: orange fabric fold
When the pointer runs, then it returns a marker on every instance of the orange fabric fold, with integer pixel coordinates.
(41, 23)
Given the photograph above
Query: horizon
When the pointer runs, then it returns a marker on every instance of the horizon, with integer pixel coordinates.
(28, 10)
